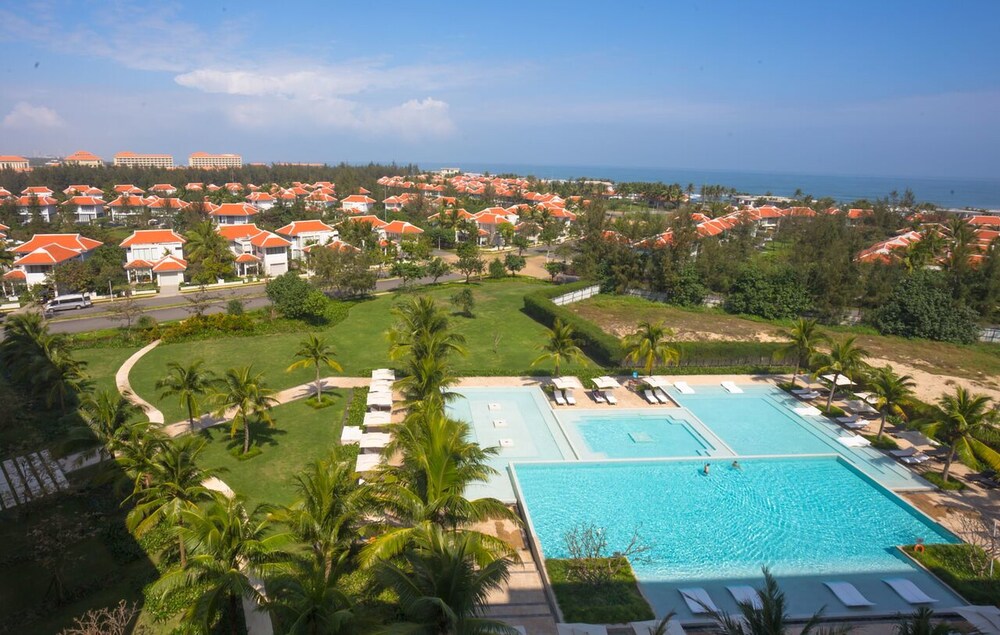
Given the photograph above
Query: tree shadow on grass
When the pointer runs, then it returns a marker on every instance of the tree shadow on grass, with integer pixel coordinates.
(260, 435)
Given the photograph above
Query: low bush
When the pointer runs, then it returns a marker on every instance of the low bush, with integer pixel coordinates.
(885, 443)
(615, 602)
(951, 485)
(952, 563)
(832, 411)
(206, 326)
(356, 409)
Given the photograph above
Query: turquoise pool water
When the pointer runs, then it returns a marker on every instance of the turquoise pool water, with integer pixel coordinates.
(627, 434)
(805, 518)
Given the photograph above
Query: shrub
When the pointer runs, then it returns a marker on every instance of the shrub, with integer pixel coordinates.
(951, 485)
(617, 602)
(295, 298)
(770, 294)
(358, 406)
(921, 305)
(235, 307)
(496, 269)
(951, 563)
(885, 443)
(204, 326)
(601, 347)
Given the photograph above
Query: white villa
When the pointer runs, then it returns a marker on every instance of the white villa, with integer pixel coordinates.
(258, 252)
(37, 257)
(155, 255)
(303, 233)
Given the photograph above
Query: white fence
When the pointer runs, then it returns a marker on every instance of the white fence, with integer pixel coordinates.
(991, 335)
(576, 296)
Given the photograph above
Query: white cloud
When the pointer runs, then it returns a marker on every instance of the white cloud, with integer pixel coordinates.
(29, 116)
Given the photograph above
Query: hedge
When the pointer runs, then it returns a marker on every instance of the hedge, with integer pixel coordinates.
(598, 345)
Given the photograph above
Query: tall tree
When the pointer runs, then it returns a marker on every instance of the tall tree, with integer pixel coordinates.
(317, 352)
(560, 347)
(845, 359)
(966, 424)
(244, 392)
(804, 337)
(890, 391)
(190, 384)
(648, 345)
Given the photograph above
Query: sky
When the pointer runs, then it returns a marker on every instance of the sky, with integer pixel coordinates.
(898, 88)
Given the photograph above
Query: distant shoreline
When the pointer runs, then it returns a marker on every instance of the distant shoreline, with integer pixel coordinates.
(942, 191)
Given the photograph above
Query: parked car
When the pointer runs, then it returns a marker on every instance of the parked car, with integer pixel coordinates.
(67, 302)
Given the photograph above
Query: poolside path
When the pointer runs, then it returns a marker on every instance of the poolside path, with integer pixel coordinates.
(125, 388)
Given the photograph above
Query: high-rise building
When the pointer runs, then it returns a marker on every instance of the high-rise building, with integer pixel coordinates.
(85, 159)
(134, 160)
(213, 161)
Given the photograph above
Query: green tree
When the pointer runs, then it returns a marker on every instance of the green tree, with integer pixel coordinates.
(921, 305)
(443, 583)
(470, 263)
(295, 298)
(190, 384)
(966, 424)
(227, 544)
(560, 347)
(554, 268)
(649, 345)
(242, 391)
(767, 616)
(497, 269)
(464, 300)
(436, 268)
(845, 359)
(311, 600)
(175, 486)
(804, 337)
(105, 415)
(316, 352)
(919, 623)
(208, 254)
(772, 295)
(514, 263)
(891, 391)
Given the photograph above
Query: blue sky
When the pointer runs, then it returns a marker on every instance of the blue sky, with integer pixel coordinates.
(881, 88)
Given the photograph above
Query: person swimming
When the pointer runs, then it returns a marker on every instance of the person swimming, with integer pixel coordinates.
(705, 469)
(736, 465)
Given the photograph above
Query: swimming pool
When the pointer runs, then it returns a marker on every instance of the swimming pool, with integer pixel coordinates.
(809, 519)
(624, 434)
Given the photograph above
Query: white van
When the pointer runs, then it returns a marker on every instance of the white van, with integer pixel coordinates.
(67, 302)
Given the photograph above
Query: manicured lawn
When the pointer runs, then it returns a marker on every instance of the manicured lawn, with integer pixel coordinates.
(103, 363)
(617, 601)
(621, 314)
(301, 434)
(501, 340)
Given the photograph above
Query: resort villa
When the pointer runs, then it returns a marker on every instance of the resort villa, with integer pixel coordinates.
(303, 233)
(36, 258)
(155, 255)
(257, 251)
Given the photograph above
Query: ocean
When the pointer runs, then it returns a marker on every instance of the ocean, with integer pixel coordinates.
(944, 192)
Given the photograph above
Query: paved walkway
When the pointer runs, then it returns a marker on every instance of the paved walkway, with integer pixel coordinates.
(125, 388)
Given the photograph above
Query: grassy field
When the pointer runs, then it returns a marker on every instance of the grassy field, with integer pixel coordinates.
(301, 434)
(501, 339)
(619, 315)
(103, 363)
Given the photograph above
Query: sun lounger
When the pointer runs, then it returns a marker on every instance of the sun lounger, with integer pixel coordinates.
(651, 626)
(854, 441)
(916, 459)
(860, 424)
(848, 419)
(570, 399)
(598, 396)
(661, 396)
(611, 398)
(650, 397)
(799, 391)
(808, 396)
(745, 594)
(899, 454)
(557, 395)
(683, 387)
(698, 600)
(581, 629)
(909, 591)
(848, 594)
(731, 387)
(985, 619)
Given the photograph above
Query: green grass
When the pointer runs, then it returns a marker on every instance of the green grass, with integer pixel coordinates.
(103, 363)
(951, 563)
(360, 343)
(616, 602)
(951, 485)
(301, 434)
(885, 443)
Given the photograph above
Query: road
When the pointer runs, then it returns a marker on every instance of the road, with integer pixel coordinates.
(164, 309)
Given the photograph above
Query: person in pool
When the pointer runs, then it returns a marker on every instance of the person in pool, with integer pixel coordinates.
(736, 465)
(705, 469)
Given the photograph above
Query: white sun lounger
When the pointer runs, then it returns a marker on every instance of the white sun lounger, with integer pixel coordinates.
(731, 387)
(854, 441)
(570, 399)
(916, 459)
(662, 396)
(806, 396)
(683, 387)
(698, 600)
(611, 398)
(649, 627)
(598, 396)
(650, 397)
(848, 419)
(848, 594)
(557, 396)
(860, 424)
(581, 629)
(800, 391)
(985, 619)
(904, 453)
(745, 594)
(909, 591)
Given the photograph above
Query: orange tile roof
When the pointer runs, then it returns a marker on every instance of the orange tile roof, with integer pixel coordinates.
(358, 198)
(402, 227)
(235, 232)
(16, 274)
(152, 237)
(68, 241)
(82, 155)
(83, 200)
(234, 209)
(9, 158)
(985, 220)
(25, 201)
(267, 239)
(170, 263)
(374, 221)
(247, 258)
(138, 263)
(51, 254)
(37, 189)
(303, 226)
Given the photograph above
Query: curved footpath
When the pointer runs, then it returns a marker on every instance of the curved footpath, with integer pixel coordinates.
(125, 388)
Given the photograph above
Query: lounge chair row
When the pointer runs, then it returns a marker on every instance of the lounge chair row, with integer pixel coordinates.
(700, 602)
(563, 397)
(656, 396)
(910, 456)
(604, 396)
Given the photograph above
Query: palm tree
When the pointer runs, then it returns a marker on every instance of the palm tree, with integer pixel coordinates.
(770, 618)
(315, 351)
(965, 423)
(560, 347)
(844, 359)
(919, 623)
(175, 486)
(311, 599)
(427, 380)
(649, 345)
(805, 337)
(189, 384)
(138, 445)
(62, 374)
(890, 391)
(443, 583)
(227, 545)
(421, 325)
(105, 415)
(242, 390)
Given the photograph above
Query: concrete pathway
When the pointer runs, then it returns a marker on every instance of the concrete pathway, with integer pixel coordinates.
(125, 388)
